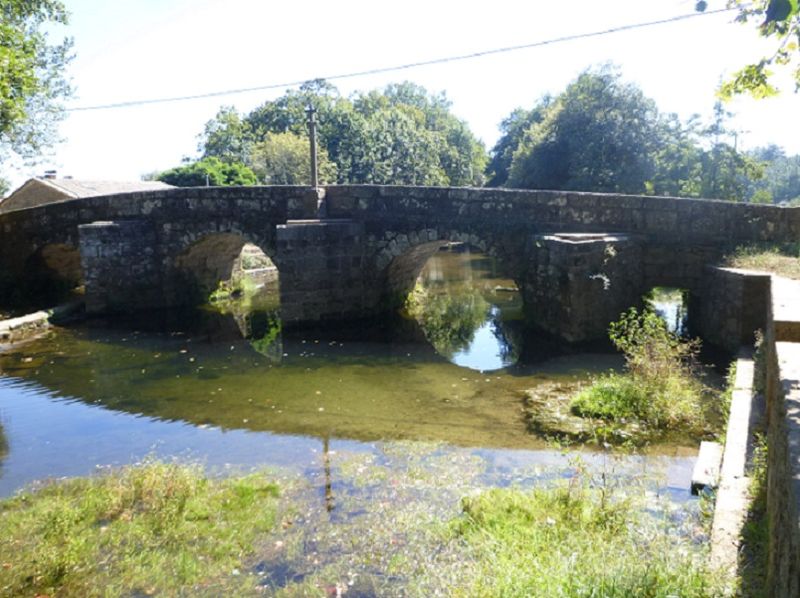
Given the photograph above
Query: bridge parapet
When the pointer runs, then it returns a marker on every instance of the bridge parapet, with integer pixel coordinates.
(401, 225)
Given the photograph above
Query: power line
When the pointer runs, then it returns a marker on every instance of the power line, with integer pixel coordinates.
(402, 67)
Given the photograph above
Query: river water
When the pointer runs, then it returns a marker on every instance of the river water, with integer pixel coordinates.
(346, 418)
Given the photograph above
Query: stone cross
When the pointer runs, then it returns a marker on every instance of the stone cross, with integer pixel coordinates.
(312, 135)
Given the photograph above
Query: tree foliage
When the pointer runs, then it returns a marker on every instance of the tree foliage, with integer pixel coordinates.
(402, 135)
(32, 82)
(778, 20)
(597, 135)
(209, 171)
(512, 131)
(603, 135)
(283, 159)
(781, 181)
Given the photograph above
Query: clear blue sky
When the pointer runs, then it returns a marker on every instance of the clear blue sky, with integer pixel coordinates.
(140, 49)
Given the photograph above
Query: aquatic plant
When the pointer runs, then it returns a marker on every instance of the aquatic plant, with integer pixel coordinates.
(579, 539)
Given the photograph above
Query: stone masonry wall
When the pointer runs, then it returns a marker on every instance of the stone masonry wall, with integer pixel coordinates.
(669, 220)
(729, 307)
(679, 236)
(783, 418)
(321, 271)
(119, 265)
(577, 284)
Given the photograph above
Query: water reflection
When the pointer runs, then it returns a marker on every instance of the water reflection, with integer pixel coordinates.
(670, 304)
(469, 313)
(3, 446)
(229, 383)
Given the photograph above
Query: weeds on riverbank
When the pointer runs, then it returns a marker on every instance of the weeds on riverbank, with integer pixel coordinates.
(141, 530)
(578, 540)
(755, 533)
(659, 388)
(783, 260)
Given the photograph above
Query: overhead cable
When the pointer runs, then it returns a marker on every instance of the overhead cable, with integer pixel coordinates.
(402, 67)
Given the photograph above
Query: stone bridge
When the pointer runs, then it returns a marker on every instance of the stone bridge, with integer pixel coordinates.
(579, 259)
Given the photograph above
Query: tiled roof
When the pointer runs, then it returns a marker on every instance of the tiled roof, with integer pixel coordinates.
(79, 188)
(40, 191)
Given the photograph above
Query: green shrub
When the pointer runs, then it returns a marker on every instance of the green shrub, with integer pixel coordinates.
(659, 387)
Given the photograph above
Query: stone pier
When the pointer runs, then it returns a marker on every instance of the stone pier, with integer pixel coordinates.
(120, 266)
(578, 283)
(321, 270)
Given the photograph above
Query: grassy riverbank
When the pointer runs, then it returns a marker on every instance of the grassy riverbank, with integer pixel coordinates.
(155, 529)
(783, 260)
(167, 530)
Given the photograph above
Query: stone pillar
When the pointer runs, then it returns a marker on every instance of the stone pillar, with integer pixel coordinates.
(321, 270)
(729, 306)
(577, 284)
(120, 266)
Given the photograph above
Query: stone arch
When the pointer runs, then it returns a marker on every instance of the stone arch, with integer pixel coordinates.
(63, 261)
(50, 273)
(400, 256)
(220, 256)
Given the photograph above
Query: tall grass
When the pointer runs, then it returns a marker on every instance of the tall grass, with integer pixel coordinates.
(141, 530)
(659, 387)
(576, 541)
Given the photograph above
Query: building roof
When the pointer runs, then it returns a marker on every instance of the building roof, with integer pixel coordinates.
(38, 191)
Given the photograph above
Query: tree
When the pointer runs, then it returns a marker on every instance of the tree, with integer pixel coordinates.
(209, 171)
(725, 172)
(32, 82)
(283, 159)
(677, 155)
(513, 129)
(601, 134)
(779, 20)
(226, 136)
(402, 135)
(598, 135)
(781, 181)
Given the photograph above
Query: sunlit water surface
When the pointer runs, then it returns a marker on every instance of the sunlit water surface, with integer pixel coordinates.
(342, 417)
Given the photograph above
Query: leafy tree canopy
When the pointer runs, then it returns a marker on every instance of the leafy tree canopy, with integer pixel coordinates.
(402, 135)
(32, 82)
(602, 134)
(778, 20)
(598, 135)
(209, 171)
(781, 181)
(512, 130)
(283, 159)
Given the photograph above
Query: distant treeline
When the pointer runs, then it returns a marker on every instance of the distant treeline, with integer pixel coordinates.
(600, 134)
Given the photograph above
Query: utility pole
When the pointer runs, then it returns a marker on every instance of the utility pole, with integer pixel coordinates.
(312, 135)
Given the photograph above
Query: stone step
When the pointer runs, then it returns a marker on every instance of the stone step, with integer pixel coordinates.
(705, 475)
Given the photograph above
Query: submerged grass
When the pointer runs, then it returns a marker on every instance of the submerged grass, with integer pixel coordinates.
(150, 529)
(577, 541)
